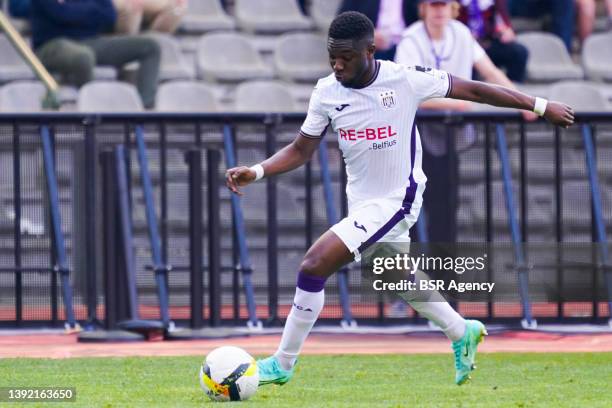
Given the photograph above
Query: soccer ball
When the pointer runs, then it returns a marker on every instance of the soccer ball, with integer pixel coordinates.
(229, 374)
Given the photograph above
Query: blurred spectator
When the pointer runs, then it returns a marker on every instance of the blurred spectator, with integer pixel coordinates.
(20, 8)
(586, 11)
(585, 17)
(561, 11)
(155, 15)
(66, 38)
(439, 41)
(490, 24)
(390, 17)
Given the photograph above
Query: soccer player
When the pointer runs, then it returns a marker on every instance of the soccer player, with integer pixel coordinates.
(371, 105)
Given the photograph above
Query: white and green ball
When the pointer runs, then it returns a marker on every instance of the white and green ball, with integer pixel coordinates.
(229, 374)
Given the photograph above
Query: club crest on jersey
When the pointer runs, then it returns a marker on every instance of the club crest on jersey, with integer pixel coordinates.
(387, 99)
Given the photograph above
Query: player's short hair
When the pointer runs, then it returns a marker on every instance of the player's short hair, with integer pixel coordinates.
(351, 25)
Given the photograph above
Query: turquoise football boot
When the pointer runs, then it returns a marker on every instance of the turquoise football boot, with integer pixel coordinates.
(465, 350)
(271, 372)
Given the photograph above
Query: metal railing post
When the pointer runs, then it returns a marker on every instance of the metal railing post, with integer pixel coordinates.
(56, 223)
(159, 265)
(600, 226)
(240, 233)
(521, 265)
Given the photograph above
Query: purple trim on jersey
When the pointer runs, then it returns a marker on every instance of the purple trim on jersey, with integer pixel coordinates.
(412, 188)
(450, 85)
(406, 203)
(316, 137)
(310, 283)
(371, 81)
(382, 231)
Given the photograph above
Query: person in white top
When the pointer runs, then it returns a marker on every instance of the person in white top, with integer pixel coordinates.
(441, 42)
(371, 106)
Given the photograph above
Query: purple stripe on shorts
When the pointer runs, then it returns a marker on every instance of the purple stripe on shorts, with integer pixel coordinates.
(310, 283)
(382, 231)
(406, 203)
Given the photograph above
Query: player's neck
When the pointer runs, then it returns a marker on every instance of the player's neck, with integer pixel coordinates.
(435, 31)
(368, 76)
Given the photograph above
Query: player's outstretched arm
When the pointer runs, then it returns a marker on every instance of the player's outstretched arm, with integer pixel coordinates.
(288, 158)
(475, 91)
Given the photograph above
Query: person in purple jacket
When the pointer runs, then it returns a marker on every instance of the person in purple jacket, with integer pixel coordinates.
(67, 36)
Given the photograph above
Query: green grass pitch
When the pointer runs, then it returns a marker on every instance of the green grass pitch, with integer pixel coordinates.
(502, 379)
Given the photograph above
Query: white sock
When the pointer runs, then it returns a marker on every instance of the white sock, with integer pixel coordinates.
(303, 315)
(444, 316)
(432, 305)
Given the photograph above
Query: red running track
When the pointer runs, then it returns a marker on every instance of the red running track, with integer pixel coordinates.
(66, 345)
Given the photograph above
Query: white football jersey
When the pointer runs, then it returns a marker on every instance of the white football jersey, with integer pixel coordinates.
(376, 129)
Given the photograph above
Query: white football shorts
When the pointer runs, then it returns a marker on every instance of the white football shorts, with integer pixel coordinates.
(379, 220)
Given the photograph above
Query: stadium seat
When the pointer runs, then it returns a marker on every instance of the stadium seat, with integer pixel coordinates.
(104, 73)
(540, 164)
(548, 58)
(109, 96)
(522, 24)
(206, 15)
(264, 96)
(301, 57)
(270, 16)
(13, 67)
(185, 96)
(540, 90)
(22, 96)
(499, 214)
(173, 64)
(597, 56)
(540, 205)
(323, 12)
(581, 95)
(577, 213)
(68, 94)
(229, 57)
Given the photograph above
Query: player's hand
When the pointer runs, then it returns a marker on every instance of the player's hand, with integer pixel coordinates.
(559, 114)
(238, 177)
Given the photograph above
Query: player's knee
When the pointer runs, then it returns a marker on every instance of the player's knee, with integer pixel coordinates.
(152, 47)
(313, 265)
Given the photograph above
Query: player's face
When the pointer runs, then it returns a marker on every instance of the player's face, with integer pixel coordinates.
(438, 13)
(351, 62)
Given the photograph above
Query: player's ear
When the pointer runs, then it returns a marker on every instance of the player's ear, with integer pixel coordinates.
(371, 49)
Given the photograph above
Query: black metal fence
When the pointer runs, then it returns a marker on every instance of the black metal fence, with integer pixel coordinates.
(283, 215)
